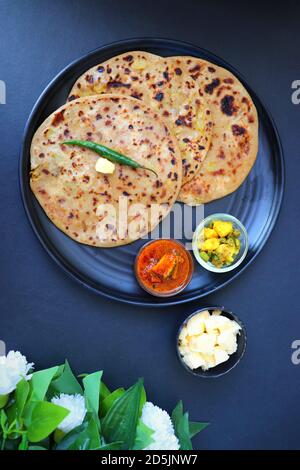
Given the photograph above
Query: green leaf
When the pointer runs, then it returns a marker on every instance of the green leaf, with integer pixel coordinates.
(40, 382)
(21, 395)
(104, 391)
(3, 400)
(66, 382)
(120, 423)
(183, 433)
(181, 427)
(70, 439)
(45, 419)
(184, 429)
(59, 371)
(195, 428)
(28, 410)
(24, 443)
(8, 444)
(142, 400)
(109, 400)
(111, 446)
(143, 436)
(177, 413)
(93, 433)
(92, 393)
(22, 392)
(86, 436)
(36, 448)
(3, 420)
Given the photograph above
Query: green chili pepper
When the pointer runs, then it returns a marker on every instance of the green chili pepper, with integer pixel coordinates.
(108, 153)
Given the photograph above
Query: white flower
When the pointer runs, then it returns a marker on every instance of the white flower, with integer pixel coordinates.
(160, 422)
(76, 405)
(13, 368)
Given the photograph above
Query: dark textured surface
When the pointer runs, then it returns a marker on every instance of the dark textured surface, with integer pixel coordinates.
(49, 317)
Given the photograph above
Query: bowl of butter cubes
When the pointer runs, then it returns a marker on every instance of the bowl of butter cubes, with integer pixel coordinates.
(211, 342)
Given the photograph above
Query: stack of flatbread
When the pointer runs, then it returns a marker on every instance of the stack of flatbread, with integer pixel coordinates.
(191, 121)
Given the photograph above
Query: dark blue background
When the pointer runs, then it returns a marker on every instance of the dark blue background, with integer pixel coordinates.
(49, 317)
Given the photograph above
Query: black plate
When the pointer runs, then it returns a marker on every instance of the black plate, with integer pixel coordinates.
(110, 271)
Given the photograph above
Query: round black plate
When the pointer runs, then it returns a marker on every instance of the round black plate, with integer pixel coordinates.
(110, 271)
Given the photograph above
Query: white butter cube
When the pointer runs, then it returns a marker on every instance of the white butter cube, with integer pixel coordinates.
(196, 325)
(234, 327)
(183, 336)
(203, 343)
(217, 322)
(184, 349)
(227, 341)
(104, 166)
(220, 355)
(194, 360)
(209, 361)
(214, 332)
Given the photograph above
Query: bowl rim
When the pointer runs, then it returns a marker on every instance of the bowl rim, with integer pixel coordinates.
(202, 373)
(171, 293)
(211, 267)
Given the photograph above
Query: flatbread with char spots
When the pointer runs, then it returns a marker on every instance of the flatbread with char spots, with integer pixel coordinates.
(234, 146)
(167, 88)
(90, 206)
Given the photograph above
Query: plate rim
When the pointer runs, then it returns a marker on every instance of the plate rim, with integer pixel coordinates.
(59, 260)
